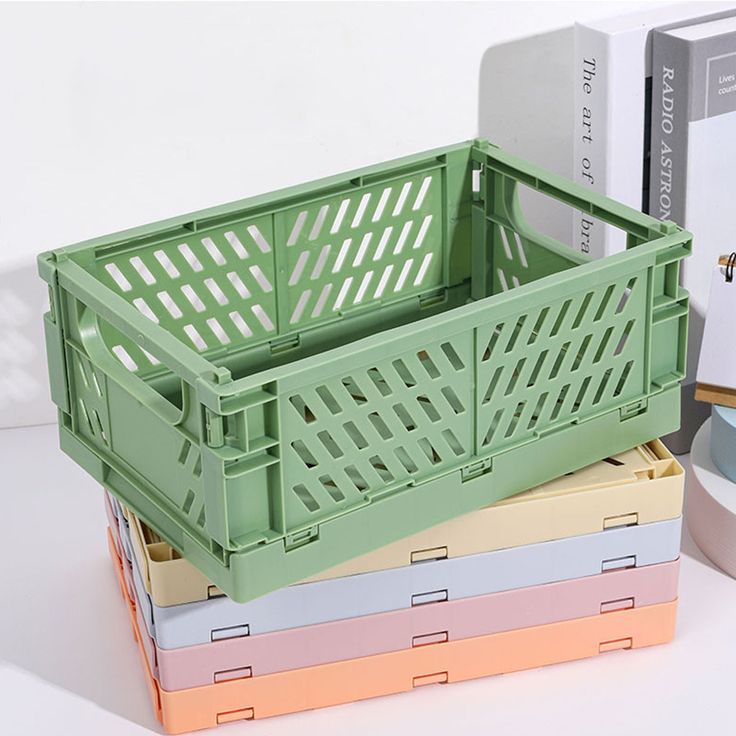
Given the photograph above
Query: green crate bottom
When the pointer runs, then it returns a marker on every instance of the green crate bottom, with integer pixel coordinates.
(264, 567)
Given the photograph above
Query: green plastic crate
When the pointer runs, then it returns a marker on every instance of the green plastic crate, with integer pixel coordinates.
(286, 382)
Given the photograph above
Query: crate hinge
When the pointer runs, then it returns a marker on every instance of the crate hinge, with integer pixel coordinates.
(282, 344)
(634, 409)
(432, 298)
(476, 469)
(213, 428)
(299, 539)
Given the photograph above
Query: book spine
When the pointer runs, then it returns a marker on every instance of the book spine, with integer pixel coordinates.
(590, 126)
(670, 114)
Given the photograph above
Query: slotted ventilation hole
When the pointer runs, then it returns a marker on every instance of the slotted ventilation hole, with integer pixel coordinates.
(193, 334)
(362, 248)
(214, 251)
(341, 255)
(344, 289)
(363, 287)
(261, 278)
(361, 209)
(404, 417)
(452, 442)
(124, 357)
(404, 373)
(429, 408)
(422, 232)
(495, 422)
(385, 194)
(190, 258)
(423, 269)
(142, 270)
(259, 239)
(167, 264)
(331, 487)
(381, 470)
(625, 296)
(402, 199)
(320, 264)
(355, 392)
(403, 235)
(339, 216)
(262, 317)
(188, 501)
(429, 450)
(403, 275)
(406, 460)
(142, 306)
(328, 399)
(238, 284)
(218, 331)
(380, 426)
(624, 337)
(423, 189)
(237, 319)
(299, 307)
(302, 409)
(522, 252)
(330, 444)
(216, 291)
(505, 241)
(193, 297)
(296, 272)
(298, 224)
(310, 503)
(356, 478)
(169, 304)
(318, 222)
(452, 356)
(624, 377)
(234, 242)
(382, 243)
(118, 277)
(379, 381)
(428, 364)
(453, 400)
(383, 281)
(355, 435)
(321, 300)
(304, 454)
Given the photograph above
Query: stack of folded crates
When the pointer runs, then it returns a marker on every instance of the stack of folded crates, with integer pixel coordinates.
(375, 433)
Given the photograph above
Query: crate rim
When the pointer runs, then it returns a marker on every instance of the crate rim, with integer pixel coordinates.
(197, 369)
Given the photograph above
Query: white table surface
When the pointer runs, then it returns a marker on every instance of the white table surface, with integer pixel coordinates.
(68, 662)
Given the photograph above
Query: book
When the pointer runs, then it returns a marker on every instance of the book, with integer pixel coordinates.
(716, 376)
(612, 77)
(694, 160)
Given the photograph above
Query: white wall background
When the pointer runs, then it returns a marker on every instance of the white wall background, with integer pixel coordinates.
(114, 115)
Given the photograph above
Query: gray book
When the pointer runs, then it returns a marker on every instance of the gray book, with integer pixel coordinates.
(693, 166)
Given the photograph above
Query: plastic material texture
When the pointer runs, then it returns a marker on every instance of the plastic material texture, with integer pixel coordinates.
(252, 656)
(413, 585)
(639, 486)
(248, 698)
(723, 440)
(281, 384)
(711, 505)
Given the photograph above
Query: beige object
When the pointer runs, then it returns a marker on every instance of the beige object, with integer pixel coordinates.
(638, 486)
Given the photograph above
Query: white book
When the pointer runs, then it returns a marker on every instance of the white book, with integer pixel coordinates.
(693, 169)
(611, 68)
(716, 378)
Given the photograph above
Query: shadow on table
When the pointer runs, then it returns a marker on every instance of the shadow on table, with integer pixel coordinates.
(62, 617)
